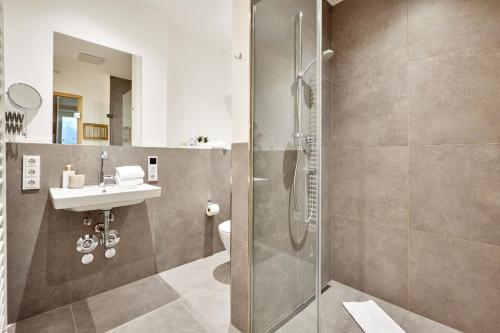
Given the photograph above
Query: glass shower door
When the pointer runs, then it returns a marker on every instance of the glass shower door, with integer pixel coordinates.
(285, 166)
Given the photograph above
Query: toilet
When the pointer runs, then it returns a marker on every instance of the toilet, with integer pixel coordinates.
(225, 234)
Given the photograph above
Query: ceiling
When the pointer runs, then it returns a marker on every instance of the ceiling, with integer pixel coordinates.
(200, 19)
(67, 48)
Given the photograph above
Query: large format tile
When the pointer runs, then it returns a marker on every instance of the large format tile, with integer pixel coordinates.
(368, 34)
(437, 27)
(195, 276)
(347, 182)
(239, 237)
(112, 308)
(240, 298)
(181, 231)
(172, 318)
(211, 308)
(239, 191)
(455, 282)
(455, 191)
(59, 320)
(371, 110)
(271, 196)
(371, 257)
(220, 192)
(38, 263)
(274, 279)
(335, 318)
(454, 97)
(413, 323)
(133, 261)
(371, 184)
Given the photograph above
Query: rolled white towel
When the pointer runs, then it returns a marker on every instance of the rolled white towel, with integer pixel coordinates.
(129, 172)
(129, 182)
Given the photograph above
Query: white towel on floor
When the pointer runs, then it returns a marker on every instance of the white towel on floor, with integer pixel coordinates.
(129, 172)
(371, 318)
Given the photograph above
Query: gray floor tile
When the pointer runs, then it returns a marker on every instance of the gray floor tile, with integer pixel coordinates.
(110, 309)
(413, 323)
(171, 318)
(59, 320)
(334, 317)
(211, 308)
(197, 275)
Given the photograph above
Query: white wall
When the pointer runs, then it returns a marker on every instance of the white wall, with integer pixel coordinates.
(241, 72)
(126, 25)
(93, 86)
(198, 85)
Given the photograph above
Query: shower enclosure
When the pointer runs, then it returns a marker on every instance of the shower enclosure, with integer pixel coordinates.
(286, 163)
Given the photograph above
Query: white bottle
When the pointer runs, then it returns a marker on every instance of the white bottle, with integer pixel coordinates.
(68, 171)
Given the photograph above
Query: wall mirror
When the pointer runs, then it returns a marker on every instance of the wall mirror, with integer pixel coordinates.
(24, 97)
(93, 101)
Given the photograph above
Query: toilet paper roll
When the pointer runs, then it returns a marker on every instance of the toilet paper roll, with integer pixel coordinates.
(212, 209)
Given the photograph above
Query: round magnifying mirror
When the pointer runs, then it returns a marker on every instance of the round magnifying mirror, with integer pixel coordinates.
(24, 97)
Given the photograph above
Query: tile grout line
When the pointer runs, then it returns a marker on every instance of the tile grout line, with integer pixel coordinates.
(73, 317)
(421, 231)
(410, 146)
(180, 300)
(409, 158)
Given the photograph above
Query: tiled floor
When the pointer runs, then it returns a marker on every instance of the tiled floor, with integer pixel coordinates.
(190, 298)
(194, 298)
(334, 318)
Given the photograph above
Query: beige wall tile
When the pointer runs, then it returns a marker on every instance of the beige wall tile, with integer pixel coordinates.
(371, 109)
(371, 257)
(371, 184)
(44, 268)
(455, 282)
(438, 27)
(357, 24)
(240, 274)
(454, 97)
(455, 191)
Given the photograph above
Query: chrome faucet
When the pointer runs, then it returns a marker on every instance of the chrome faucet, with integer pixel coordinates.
(104, 156)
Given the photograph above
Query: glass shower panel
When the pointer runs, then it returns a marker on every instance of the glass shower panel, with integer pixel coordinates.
(285, 159)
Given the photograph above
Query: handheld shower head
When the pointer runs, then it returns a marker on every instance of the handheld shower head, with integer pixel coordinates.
(326, 55)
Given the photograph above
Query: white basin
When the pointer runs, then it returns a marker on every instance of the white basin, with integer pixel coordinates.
(97, 197)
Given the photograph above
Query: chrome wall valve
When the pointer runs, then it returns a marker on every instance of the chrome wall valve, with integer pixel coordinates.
(88, 220)
(86, 244)
(99, 228)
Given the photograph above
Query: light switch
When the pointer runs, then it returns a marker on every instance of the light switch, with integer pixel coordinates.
(31, 172)
(152, 168)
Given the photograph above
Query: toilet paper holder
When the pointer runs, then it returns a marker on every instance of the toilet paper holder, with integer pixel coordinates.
(212, 208)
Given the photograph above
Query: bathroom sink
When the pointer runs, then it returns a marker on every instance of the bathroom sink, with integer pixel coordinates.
(100, 198)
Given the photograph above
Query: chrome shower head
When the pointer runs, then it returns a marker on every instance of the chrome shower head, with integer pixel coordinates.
(326, 55)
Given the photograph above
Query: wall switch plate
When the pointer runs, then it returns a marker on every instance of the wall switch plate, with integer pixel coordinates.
(31, 172)
(152, 168)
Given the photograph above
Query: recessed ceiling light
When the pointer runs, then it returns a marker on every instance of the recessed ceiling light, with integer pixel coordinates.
(90, 59)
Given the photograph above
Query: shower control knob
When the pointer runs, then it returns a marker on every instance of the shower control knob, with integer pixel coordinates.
(110, 253)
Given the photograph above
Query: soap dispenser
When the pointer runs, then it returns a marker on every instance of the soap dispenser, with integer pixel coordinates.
(68, 171)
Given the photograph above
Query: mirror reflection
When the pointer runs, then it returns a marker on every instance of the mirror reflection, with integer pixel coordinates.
(92, 99)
